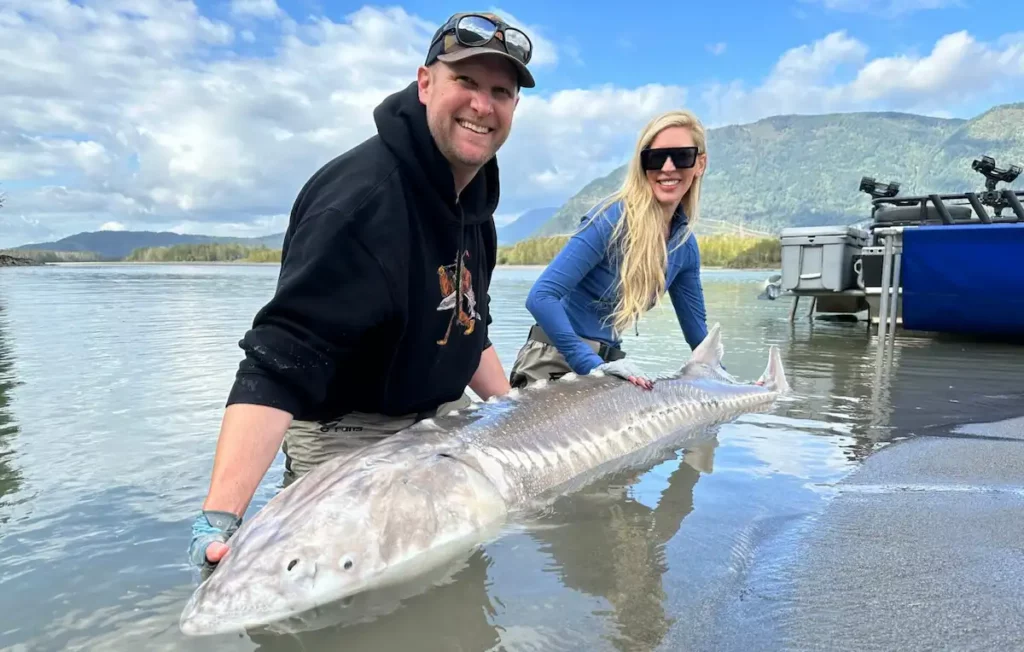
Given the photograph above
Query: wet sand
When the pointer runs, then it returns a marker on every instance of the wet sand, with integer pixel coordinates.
(919, 549)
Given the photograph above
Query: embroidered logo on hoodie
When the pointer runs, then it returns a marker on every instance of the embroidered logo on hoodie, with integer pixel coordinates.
(457, 295)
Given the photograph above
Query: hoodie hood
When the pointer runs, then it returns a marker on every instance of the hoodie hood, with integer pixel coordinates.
(401, 121)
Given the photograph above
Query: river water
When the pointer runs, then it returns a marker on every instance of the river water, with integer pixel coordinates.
(112, 384)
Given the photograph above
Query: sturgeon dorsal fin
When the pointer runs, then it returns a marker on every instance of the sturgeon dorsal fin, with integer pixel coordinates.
(709, 352)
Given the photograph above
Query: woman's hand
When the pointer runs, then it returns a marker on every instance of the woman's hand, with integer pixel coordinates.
(627, 370)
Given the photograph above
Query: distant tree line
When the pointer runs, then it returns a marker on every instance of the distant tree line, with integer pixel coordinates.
(716, 250)
(53, 256)
(533, 251)
(724, 250)
(739, 252)
(206, 252)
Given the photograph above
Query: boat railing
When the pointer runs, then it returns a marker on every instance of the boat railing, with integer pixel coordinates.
(999, 200)
(887, 209)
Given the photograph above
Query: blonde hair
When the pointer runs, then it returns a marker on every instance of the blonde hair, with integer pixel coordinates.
(639, 233)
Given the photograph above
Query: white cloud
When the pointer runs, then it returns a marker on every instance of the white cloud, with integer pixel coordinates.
(151, 122)
(957, 65)
(112, 226)
(716, 48)
(501, 219)
(256, 8)
(887, 7)
(29, 156)
(807, 79)
(813, 63)
(19, 229)
(259, 227)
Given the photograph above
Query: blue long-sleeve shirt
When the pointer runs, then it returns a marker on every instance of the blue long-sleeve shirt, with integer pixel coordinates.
(575, 295)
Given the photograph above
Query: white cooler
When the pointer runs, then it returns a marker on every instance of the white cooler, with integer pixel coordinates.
(820, 257)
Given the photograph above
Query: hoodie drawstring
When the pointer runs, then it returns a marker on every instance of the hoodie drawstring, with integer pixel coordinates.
(458, 258)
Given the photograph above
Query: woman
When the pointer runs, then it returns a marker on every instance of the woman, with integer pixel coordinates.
(630, 249)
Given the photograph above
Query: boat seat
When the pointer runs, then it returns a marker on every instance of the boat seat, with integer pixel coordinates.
(912, 214)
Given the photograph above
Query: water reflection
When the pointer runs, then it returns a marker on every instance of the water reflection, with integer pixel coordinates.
(613, 546)
(835, 379)
(932, 383)
(10, 476)
(940, 382)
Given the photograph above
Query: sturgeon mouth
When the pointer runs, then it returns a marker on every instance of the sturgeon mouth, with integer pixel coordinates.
(218, 621)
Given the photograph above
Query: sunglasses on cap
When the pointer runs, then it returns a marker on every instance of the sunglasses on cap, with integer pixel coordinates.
(654, 159)
(476, 30)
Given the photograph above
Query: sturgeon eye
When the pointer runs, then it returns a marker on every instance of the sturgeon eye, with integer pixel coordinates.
(347, 563)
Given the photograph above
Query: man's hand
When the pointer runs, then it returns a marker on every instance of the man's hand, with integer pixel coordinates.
(250, 436)
(627, 370)
(489, 379)
(210, 532)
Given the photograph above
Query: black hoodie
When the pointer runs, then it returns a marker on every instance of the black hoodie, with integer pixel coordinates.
(365, 316)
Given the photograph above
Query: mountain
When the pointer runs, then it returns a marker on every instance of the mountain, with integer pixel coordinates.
(799, 170)
(118, 244)
(524, 225)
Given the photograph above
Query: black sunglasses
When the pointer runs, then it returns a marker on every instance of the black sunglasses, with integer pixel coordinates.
(654, 159)
(475, 30)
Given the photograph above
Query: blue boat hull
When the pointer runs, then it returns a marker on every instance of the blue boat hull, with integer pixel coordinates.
(966, 279)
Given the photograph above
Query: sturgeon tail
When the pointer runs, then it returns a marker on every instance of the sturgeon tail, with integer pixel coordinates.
(774, 376)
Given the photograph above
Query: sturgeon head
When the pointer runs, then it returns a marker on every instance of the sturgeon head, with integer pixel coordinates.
(346, 528)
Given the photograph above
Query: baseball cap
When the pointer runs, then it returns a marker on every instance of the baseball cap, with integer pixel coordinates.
(467, 35)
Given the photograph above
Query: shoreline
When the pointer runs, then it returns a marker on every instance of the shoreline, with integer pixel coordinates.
(236, 263)
(16, 261)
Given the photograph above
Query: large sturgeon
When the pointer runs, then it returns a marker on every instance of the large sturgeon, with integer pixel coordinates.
(402, 508)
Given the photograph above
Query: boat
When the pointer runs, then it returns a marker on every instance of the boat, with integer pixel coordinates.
(933, 263)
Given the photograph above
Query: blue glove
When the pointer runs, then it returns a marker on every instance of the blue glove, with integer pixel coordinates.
(210, 526)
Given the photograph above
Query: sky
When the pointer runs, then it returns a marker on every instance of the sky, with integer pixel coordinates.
(208, 116)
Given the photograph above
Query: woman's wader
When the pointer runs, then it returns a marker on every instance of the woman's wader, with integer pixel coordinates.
(539, 359)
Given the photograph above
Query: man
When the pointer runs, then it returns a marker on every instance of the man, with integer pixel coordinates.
(381, 311)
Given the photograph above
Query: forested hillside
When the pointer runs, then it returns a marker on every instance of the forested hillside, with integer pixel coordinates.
(805, 170)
